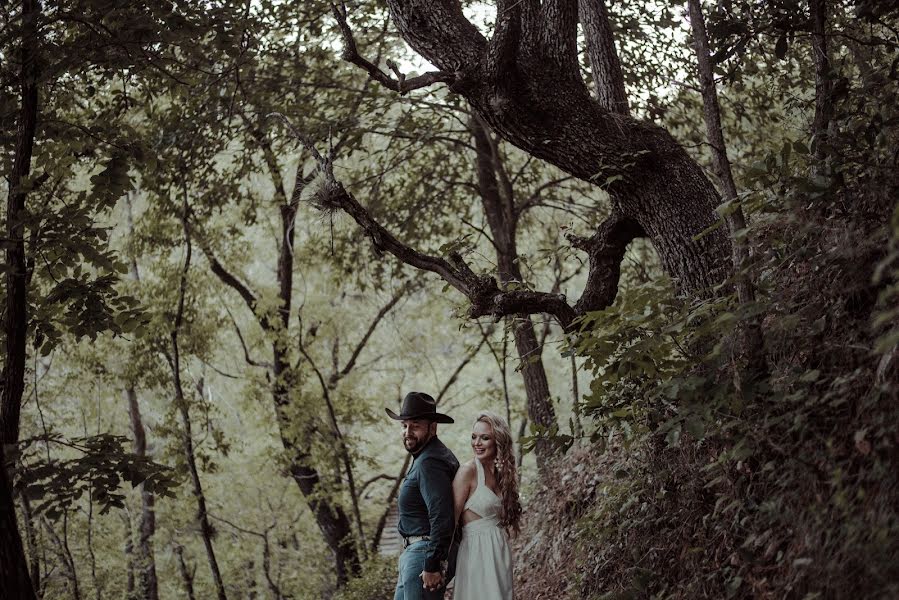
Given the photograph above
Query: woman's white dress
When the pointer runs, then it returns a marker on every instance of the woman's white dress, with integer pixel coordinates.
(484, 563)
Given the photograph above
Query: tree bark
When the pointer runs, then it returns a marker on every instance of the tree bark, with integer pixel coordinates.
(34, 563)
(750, 334)
(16, 317)
(129, 560)
(823, 82)
(605, 67)
(13, 564)
(147, 582)
(528, 88)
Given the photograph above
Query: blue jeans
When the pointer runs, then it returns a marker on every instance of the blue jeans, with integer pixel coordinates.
(409, 585)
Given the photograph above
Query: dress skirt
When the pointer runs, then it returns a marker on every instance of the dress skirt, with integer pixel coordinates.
(484, 563)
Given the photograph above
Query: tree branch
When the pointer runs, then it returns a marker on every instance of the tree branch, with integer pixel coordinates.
(227, 278)
(503, 48)
(243, 344)
(338, 375)
(605, 249)
(401, 84)
(604, 63)
(558, 38)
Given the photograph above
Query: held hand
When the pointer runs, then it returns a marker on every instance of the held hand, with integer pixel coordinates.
(431, 580)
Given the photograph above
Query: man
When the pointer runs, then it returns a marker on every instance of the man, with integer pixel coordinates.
(425, 500)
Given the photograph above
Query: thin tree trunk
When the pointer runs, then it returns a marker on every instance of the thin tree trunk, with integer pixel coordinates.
(497, 198)
(34, 562)
(186, 575)
(575, 399)
(823, 83)
(65, 554)
(329, 385)
(751, 331)
(148, 584)
(330, 517)
(129, 559)
(90, 544)
(206, 530)
(13, 565)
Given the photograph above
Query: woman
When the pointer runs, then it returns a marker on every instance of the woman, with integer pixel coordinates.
(485, 497)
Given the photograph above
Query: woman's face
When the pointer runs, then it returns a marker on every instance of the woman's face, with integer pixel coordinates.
(482, 442)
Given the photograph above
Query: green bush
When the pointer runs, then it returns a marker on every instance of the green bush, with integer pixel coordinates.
(377, 580)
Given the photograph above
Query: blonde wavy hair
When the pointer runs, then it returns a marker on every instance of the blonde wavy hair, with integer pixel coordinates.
(506, 470)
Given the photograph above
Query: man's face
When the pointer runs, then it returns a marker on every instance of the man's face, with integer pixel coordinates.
(417, 432)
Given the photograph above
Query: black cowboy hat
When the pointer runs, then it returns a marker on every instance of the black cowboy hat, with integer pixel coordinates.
(418, 405)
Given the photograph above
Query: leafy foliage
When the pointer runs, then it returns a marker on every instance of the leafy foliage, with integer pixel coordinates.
(56, 485)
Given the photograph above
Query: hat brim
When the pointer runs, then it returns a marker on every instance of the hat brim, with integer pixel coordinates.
(430, 416)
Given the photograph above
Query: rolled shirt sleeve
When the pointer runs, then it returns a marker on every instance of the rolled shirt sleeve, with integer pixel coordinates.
(436, 485)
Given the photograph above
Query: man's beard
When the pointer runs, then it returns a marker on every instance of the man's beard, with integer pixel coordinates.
(413, 445)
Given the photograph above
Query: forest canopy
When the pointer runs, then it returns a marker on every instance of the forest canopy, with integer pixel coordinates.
(661, 239)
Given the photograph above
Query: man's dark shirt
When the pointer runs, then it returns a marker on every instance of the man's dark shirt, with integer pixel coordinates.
(426, 500)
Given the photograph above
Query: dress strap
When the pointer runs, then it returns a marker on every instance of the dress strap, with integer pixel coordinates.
(482, 480)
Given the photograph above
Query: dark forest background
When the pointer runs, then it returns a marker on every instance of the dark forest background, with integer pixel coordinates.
(661, 238)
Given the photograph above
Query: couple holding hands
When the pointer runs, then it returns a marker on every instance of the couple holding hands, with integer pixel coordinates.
(450, 511)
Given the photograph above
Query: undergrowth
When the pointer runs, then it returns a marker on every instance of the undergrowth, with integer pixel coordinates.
(704, 481)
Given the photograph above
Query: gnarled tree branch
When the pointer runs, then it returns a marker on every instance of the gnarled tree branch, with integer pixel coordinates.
(400, 84)
(605, 249)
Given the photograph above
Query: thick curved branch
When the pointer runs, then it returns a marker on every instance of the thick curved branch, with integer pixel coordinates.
(228, 278)
(605, 249)
(439, 31)
(482, 291)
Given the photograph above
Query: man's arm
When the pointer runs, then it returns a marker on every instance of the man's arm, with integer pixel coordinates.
(436, 485)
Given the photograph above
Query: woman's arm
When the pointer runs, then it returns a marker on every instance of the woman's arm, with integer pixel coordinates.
(462, 488)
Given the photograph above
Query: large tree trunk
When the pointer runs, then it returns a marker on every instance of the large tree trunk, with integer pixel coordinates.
(526, 84)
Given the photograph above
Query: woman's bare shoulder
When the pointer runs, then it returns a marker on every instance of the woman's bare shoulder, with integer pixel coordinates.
(466, 471)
